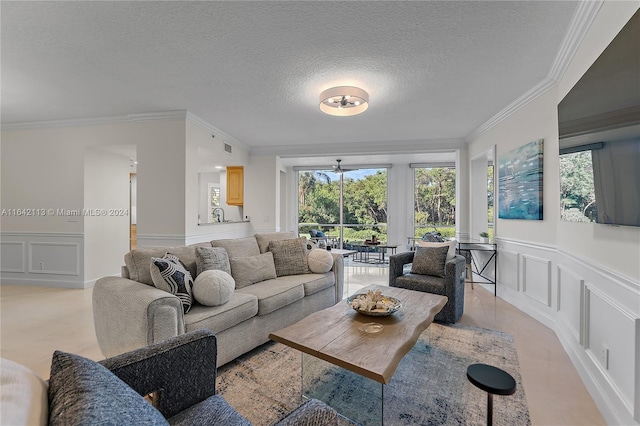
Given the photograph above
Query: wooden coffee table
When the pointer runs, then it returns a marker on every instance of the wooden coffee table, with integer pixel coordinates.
(333, 334)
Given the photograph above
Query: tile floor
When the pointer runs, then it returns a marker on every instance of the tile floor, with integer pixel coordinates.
(36, 321)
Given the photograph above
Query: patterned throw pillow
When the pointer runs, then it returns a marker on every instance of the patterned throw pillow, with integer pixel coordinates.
(211, 258)
(451, 244)
(290, 256)
(170, 275)
(430, 261)
(252, 269)
(83, 392)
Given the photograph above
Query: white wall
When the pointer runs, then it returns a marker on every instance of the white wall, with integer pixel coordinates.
(580, 279)
(262, 192)
(43, 168)
(106, 226)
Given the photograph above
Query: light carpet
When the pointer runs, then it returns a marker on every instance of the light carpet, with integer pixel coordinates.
(430, 386)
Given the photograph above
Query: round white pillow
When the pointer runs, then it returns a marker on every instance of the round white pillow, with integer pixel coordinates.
(320, 261)
(213, 287)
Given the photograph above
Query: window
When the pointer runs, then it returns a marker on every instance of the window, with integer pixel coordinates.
(364, 204)
(214, 200)
(434, 200)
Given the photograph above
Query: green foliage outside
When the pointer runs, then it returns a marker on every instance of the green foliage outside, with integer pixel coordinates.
(577, 193)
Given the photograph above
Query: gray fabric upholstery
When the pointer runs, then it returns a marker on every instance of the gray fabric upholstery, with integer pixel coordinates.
(137, 261)
(263, 239)
(239, 308)
(451, 285)
(290, 256)
(252, 269)
(182, 368)
(212, 258)
(130, 315)
(83, 392)
(214, 410)
(274, 294)
(238, 247)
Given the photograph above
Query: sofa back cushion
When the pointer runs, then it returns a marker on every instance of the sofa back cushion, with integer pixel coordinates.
(252, 269)
(212, 258)
(265, 238)
(138, 261)
(238, 247)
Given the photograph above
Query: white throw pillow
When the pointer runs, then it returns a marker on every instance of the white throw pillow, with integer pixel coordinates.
(213, 287)
(320, 261)
(452, 247)
(24, 396)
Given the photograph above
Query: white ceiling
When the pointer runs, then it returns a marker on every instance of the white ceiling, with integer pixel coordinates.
(435, 71)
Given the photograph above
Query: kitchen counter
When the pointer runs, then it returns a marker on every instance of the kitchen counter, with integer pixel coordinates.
(226, 222)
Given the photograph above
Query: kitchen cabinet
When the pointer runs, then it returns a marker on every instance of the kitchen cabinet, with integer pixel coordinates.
(235, 185)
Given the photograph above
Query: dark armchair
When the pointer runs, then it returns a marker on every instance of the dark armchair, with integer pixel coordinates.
(452, 285)
(178, 375)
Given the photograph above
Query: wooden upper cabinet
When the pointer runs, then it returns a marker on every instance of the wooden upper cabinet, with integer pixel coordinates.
(235, 185)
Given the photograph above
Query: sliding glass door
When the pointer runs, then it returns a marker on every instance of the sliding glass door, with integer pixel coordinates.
(348, 207)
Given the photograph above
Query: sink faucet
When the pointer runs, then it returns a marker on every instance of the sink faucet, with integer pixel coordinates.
(219, 210)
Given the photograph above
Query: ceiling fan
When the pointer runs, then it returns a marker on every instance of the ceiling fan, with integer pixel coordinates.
(338, 167)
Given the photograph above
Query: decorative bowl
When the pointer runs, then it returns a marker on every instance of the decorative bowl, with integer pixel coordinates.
(391, 305)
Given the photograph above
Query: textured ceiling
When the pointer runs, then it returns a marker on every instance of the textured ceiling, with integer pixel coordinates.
(434, 71)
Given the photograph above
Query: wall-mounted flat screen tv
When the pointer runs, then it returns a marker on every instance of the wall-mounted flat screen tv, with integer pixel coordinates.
(599, 123)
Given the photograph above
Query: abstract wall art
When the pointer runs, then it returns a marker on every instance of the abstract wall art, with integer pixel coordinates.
(520, 182)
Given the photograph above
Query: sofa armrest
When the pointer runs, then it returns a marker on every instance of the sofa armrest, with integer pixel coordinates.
(396, 265)
(338, 273)
(181, 371)
(128, 315)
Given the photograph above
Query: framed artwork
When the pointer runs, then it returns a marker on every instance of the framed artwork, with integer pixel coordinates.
(520, 182)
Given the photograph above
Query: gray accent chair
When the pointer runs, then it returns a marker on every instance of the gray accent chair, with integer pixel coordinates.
(452, 285)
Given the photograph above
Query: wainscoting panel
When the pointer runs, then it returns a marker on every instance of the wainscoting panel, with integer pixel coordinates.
(54, 258)
(571, 302)
(536, 279)
(13, 257)
(43, 259)
(509, 269)
(610, 342)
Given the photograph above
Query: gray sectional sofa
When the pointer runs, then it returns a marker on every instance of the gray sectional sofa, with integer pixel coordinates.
(130, 312)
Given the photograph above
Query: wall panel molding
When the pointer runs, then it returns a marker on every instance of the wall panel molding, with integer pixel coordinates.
(509, 269)
(536, 279)
(566, 305)
(13, 256)
(65, 257)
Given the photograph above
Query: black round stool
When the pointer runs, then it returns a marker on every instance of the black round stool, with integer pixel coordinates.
(492, 380)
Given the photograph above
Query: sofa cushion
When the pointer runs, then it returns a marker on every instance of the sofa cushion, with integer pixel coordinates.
(214, 410)
(170, 275)
(238, 247)
(240, 307)
(320, 261)
(264, 239)
(213, 288)
(430, 261)
(424, 283)
(451, 253)
(23, 396)
(137, 261)
(290, 256)
(312, 283)
(274, 294)
(208, 258)
(83, 392)
(252, 269)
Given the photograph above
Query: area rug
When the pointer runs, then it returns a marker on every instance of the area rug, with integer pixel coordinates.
(430, 386)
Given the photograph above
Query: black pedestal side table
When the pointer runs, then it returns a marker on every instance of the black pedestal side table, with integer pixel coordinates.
(493, 381)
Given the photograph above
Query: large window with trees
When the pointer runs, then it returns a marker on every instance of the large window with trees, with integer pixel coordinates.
(364, 204)
(435, 200)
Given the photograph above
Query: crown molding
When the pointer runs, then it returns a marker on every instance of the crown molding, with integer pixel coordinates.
(369, 148)
(216, 131)
(97, 121)
(581, 21)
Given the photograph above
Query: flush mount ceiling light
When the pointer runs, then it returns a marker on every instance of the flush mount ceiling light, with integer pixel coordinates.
(344, 101)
